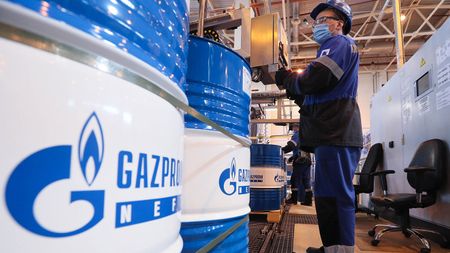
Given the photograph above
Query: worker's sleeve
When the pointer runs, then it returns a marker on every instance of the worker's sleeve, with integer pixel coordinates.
(324, 73)
(289, 147)
(292, 144)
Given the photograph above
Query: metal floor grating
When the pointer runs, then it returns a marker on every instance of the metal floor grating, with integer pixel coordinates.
(283, 240)
(256, 239)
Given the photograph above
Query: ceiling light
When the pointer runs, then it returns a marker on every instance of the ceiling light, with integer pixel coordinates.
(402, 17)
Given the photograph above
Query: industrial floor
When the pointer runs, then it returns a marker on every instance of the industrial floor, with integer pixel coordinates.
(298, 230)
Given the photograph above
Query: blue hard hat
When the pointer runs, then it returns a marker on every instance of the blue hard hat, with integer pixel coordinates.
(340, 6)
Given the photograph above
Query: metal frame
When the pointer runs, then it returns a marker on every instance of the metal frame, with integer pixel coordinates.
(380, 31)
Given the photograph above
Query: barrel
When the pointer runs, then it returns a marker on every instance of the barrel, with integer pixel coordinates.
(266, 177)
(216, 173)
(85, 167)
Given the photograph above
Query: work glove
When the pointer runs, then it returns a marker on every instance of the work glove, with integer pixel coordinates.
(298, 99)
(280, 77)
(289, 147)
(302, 160)
(292, 158)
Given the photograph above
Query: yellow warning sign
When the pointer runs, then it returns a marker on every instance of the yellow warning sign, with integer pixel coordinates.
(422, 62)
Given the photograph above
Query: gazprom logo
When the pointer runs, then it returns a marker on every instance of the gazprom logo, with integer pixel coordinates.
(38, 186)
(233, 180)
(279, 178)
(48, 167)
(91, 148)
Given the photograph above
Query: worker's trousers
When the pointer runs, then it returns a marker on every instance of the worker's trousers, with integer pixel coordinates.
(334, 196)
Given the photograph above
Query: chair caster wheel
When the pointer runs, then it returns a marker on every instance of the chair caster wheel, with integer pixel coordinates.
(375, 243)
(371, 232)
(425, 250)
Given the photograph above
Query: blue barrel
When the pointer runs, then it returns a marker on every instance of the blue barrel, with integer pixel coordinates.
(197, 234)
(265, 155)
(218, 86)
(216, 191)
(153, 31)
(267, 178)
(265, 199)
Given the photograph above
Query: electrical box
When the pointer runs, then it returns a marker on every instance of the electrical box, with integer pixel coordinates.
(411, 108)
(269, 47)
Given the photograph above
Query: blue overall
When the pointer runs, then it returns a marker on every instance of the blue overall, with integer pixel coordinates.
(334, 193)
(301, 173)
(330, 127)
(301, 179)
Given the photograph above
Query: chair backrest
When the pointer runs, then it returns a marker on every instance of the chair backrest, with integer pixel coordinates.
(374, 158)
(433, 154)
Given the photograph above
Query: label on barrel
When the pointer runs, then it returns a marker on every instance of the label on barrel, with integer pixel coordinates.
(84, 165)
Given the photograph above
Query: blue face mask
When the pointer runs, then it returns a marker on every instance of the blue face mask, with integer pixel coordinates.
(321, 33)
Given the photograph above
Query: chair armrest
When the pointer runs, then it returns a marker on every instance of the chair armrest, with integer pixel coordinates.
(418, 169)
(419, 172)
(361, 173)
(382, 172)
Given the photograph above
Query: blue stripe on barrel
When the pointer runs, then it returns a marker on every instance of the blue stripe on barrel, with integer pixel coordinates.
(265, 155)
(216, 80)
(153, 31)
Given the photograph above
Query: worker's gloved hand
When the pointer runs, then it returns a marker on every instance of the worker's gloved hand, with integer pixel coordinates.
(292, 158)
(302, 160)
(289, 147)
(298, 99)
(280, 76)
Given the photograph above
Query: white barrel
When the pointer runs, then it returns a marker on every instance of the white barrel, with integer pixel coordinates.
(216, 175)
(218, 179)
(90, 158)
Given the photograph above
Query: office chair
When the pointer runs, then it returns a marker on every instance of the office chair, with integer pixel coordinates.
(366, 177)
(424, 174)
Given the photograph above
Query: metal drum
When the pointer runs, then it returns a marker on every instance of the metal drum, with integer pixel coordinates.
(266, 177)
(84, 165)
(216, 173)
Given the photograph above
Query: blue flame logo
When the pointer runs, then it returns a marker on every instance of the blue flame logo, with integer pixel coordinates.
(233, 170)
(53, 164)
(91, 148)
(227, 179)
(278, 178)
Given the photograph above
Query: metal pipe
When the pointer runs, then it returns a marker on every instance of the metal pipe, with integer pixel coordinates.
(289, 30)
(201, 17)
(267, 6)
(398, 34)
(379, 19)
(374, 37)
(283, 7)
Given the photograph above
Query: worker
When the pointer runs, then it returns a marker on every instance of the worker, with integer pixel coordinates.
(330, 125)
(301, 171)
(292, 146)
